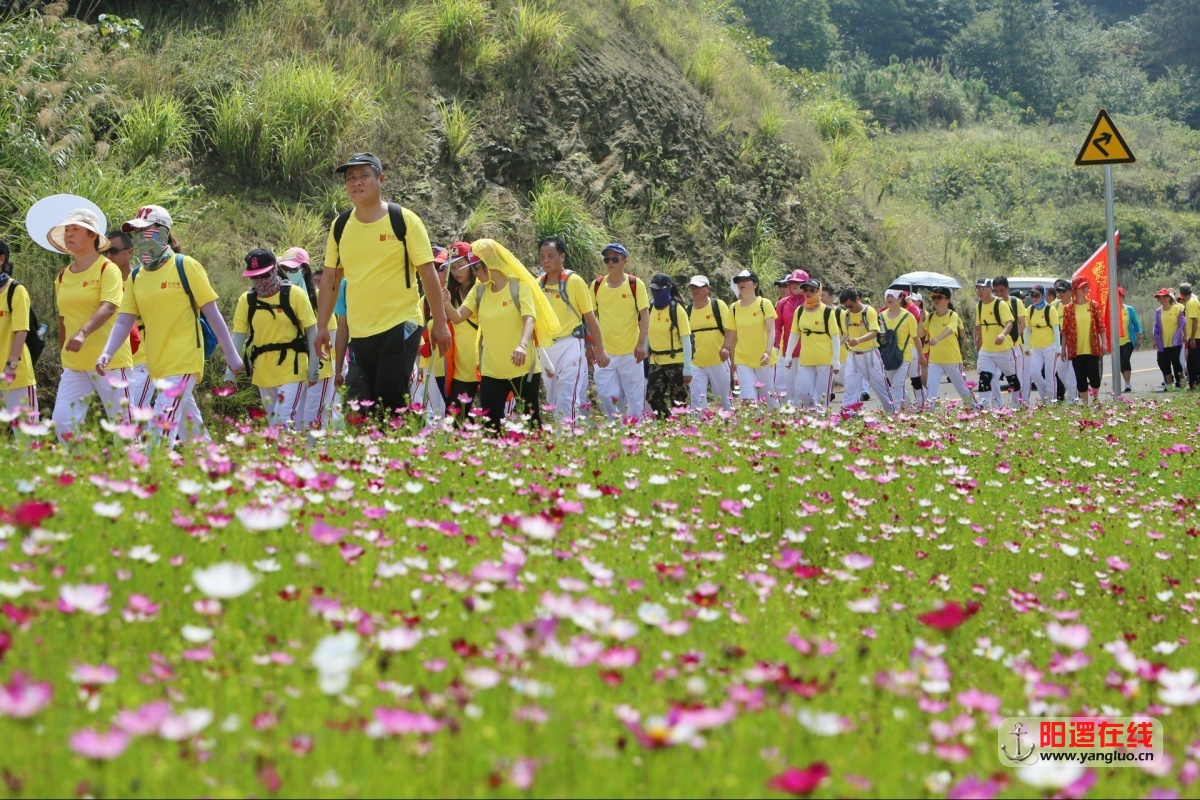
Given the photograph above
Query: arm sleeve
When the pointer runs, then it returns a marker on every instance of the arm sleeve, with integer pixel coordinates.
(687, 356)
(302, 308)
(119, 333)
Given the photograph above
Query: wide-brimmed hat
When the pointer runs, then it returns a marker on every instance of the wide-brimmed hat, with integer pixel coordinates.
(259, 262)
(84, 218)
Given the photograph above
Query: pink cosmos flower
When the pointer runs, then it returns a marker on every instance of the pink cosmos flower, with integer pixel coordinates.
(1074, 637)
(21, 698)
(857, 561)
(522, 773)
(84, 598)
(400, 722)
(1116, 563)
(146, 720)
(99, 746)
(800, 781)
(326, 534)
(90, 675)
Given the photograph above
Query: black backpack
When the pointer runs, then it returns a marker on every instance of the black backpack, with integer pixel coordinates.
(719, 325)
(297, 345)
(396, 215)
(33, 340)
(891, 353)
(1015, 331)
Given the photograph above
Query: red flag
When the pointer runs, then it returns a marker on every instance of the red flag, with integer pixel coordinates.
(1095, 269)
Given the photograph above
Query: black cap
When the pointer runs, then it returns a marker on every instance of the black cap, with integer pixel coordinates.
(1038, 289)
(813, 282)
(939, 291)
(258, 262)
(661, 280)
(745, 275)
(361, 160)
(983, 283)
(1061, 285)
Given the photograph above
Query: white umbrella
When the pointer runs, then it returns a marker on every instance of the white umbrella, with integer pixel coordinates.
(925, 280)
(50, 211)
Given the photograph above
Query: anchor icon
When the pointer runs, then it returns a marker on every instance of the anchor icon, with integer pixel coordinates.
(1018, 733)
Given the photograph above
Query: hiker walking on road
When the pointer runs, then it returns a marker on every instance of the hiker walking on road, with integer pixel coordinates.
(170, 292)
(623, 309)
(382, 250)
(714, 345)
(515, 324)
(864, 367)
(464, 383)
(1191, 333)
(899, 322)
(751, 316)
(994, 321)
(1044, 325)
(19, 389)
(575, 307)
(1131, 331)
(1065, 384)
(274, 324)
(141, 388)
(88, 293)
(785, 312)
(943, 332)
(812, 348)
(1018, 380)
(670, 342)
(1169, 331)
(1084, 335)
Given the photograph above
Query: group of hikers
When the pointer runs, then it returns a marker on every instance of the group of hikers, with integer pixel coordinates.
(400, 323)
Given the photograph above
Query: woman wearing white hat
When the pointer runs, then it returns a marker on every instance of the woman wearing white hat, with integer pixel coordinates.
(170, 292)
(88, 293)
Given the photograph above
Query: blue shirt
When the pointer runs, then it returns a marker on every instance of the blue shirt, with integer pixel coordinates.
(339, 308)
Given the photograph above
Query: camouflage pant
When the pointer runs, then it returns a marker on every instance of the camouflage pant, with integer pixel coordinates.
(665, 388)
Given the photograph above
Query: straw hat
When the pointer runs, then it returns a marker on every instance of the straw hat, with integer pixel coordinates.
(84, 218)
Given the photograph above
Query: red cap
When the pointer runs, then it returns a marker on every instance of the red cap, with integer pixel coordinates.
(1079, 280)
(1121, 291)
(1164, 292)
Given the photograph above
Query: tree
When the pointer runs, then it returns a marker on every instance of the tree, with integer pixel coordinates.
(917, 29)
(801, 34)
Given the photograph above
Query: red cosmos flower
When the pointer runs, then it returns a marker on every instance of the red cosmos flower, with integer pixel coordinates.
(5, 643)
(30, 513)
(806, 571)
(949, 616)
(800, 781)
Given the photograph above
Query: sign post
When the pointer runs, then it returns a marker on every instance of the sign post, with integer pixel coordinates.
(1105, 146)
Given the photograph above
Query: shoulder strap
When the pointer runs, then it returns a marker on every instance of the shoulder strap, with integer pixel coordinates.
(716, 304)
(400, 228)
(12, 288)
(633, 292)
(828, 312)
(596, 287)
(996, 310)
(285, 304)
(479, 287)
(339, 227)
(61, 272)
(252, 304)
(514, 291)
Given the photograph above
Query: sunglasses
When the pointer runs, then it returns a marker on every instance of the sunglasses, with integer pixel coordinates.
(940, 297)
(112, 251)
(612, 259)
(811, 290)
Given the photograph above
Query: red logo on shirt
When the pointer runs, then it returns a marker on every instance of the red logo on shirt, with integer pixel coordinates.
(504, 303)
(163, 286)
(623, 295)
(383, 237)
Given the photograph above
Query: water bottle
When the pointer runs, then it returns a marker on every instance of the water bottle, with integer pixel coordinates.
(41, 332)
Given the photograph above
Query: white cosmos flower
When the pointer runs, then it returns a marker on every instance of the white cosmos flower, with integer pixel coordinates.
(822, 723)
(399, 640)
(256, 520)
(652, 614)
(413, 487)
(143, 552)
(224, 581)
(109, 510)
(1178, 688)
(188, 486)
(867, 605)
(332, 683)
(196, 634)
(177, 727)
(337, 653)
(482, 677)
(1049, 775)
(267, 565)
(538, 527)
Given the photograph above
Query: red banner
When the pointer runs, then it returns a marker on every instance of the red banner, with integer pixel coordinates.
(1095, 269)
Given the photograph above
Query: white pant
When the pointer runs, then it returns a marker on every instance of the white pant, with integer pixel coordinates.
(813, 385)
(316, 406)
(283, 403)
(621, 387)
(867, 367)
(75, 389)
(17, 399)
(757, 384)
(998, 364)
(955, 373)
(175, 405)
(716, 377)
(141, 388)
(1066, 374)
(1020, 398)
(1039, 359)
(839, 377)
(566, 390)
(898, 384)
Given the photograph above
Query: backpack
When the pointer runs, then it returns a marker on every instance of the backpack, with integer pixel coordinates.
(396, 215)
(34, 340)
(298, 345)
(580, 331)
(1015, 330)
(672, 334)
(632, 292)
(995, 315)
(204, 333)
(890, 352)
(828, 314)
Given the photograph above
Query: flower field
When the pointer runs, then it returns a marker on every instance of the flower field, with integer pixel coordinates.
(746, 607)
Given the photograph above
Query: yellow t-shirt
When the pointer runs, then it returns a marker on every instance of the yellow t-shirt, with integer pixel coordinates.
(500, 325)
(582, 301)
(1042, 322)
(947, 350)
(10, 322)
(139, 357)
(750, 323)
(663, 338)
(372, 261)
(709, 338)
(859, 325)
(1170, 324)
(273, 327)
(619, 314)
(1191, 310)
(816, 342)
(466, 351)
(79, 295)
(174, 345)
(905, 327)
(1083, 329)
(991, 324)
(1022, 314)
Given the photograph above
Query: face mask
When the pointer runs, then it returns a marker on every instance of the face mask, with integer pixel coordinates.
(150, 247)
(266, 285)
(295, 277)
(662, 297)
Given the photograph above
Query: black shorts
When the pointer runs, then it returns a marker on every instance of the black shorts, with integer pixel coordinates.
(1087, 371)
(1127, 357)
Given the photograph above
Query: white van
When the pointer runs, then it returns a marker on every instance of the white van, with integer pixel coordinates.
(1019, 287)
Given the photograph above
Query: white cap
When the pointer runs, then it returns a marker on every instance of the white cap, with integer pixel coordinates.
(698, 280)
(147, 216)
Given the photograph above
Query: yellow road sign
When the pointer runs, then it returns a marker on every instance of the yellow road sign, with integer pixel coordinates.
(1104, 144)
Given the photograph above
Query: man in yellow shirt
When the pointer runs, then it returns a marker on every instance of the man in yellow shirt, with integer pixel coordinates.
(1191, 333)
(993, 323)
(863, 364)
(670, 343)
(141, 388)
(815, 330)
(575, 306)
(623, 308)
(1018, 382)
(377, 247)
(715, 343)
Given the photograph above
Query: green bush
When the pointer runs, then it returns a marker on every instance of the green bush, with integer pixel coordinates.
(458, 128)
(702, 67)
(409, 34)
(556, 212)
(836, 118)
(459, 28)
(158, 128)
(538, 35)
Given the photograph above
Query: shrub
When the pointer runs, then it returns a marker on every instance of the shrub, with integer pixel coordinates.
(836, 117)
(702, 67)
(538, 35)
(554, 211)
(410, 34)
(485, 219)
(459, 27)
(157, 128)
(458, 125)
